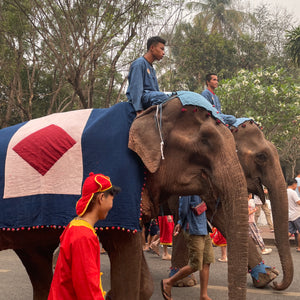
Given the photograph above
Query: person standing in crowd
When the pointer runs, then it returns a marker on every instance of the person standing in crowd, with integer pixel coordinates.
(253, 230)
(77, 272)
(201, 253)
(166, 227)
(294, 210)
(212, 83)
(298, 183)
(143, 90)
(219, 240)
(260, 206)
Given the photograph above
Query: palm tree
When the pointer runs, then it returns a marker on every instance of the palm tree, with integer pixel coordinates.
(217, 16)
(293, 45)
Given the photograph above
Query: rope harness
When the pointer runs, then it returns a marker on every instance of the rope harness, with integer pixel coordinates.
(158, 119)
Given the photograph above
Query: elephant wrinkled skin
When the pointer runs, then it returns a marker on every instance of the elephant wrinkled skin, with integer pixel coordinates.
(261, 166)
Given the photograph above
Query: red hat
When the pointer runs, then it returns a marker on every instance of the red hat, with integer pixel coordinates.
(93, 184)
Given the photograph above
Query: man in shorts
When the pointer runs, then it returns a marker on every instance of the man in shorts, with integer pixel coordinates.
(294, 210)
(201, 253)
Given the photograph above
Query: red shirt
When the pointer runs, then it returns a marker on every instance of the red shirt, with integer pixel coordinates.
(77, 272)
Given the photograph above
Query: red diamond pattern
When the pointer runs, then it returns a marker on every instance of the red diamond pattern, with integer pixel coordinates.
(43, 148)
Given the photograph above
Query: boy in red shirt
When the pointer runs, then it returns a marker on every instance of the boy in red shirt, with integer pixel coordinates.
(77, 272)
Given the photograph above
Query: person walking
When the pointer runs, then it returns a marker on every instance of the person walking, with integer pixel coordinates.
(265, 208)
(294, 211)
(219, 240)
(298, 183)
(193, 221)
(253, 229)
(166, 227)
(77, 271)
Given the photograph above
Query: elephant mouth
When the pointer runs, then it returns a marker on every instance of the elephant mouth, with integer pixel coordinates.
(259, 190)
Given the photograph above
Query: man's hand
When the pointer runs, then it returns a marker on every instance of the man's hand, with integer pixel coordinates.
(177, 229)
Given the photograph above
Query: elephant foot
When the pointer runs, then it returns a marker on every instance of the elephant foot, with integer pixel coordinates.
(188, 281)
(262, 279)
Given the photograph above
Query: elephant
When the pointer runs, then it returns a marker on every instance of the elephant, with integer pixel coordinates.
(260, 162)
(184, 147)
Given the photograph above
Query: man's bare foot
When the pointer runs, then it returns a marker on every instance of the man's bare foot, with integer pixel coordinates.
(146, 247)
(205, 297)
(165, 290)
(166, 257)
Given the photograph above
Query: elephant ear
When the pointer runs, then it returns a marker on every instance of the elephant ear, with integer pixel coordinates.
(145, 141)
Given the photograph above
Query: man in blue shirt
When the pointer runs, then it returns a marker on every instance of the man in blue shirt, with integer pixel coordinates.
(201, 253)
(212, 83)
(143, 90)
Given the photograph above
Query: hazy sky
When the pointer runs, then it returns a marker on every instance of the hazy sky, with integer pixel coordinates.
(292, 6)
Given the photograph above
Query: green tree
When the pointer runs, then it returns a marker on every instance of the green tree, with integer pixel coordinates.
(194, 53)
(270, 97)
(219, 17)
(293, 45)
(270, 29)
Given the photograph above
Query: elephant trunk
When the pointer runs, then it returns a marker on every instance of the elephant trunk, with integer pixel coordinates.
(279, 203)
(235, 206)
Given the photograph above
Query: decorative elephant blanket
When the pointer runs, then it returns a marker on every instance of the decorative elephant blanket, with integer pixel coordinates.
(43, 163)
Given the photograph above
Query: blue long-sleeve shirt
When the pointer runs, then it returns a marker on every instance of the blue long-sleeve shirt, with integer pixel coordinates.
(141, 78)
(215, 101)
(196, 225)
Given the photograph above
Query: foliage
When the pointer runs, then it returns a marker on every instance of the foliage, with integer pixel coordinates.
(218, 16)
(270, 28)
(62, 55)
(293, 45)
(271, 97)
(194, 53)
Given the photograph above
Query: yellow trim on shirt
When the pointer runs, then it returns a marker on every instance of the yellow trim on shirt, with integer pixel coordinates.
(80, 222)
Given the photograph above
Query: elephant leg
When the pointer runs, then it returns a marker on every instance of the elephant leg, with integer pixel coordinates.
(130, 274)
(261, 274)
(38, 264)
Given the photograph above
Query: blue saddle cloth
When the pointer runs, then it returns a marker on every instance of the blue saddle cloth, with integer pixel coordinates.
(191, 98)
(240, 121)
(104, 146)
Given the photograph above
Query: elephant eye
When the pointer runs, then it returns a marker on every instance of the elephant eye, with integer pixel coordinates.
(204, 142)
(261, 157)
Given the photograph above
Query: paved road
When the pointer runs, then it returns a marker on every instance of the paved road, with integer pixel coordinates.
(15, 285)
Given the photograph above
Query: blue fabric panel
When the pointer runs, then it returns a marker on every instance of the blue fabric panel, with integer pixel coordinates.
(105, 150)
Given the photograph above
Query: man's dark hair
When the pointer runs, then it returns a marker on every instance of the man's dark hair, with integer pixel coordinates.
(297, 172)
(154, 40)
(291, 181)
(114, 190)
(208, 76)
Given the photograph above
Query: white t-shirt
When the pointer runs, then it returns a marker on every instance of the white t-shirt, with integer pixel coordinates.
(294, 207)
(251, 205)
(257, 200)
(298, 186)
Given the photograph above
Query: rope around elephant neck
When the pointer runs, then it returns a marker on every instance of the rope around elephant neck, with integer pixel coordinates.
(159, 126)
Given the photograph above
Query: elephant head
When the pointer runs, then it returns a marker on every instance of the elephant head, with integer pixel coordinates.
(260, 161)
(188, 152)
